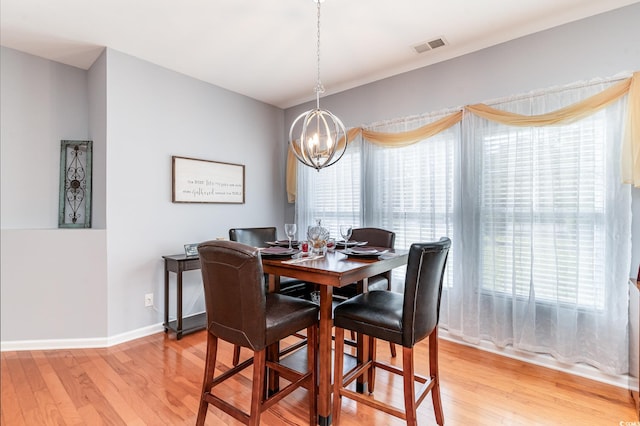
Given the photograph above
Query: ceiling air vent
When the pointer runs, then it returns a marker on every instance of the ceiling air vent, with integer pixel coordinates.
(430, 45)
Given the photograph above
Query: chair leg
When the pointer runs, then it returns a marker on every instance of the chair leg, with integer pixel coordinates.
(392, 348)
(409, 391)
(371, 377)
(236, 355)
(209, 369)
(312, 365)
(338, 374)
(259, 365)
(435, 376)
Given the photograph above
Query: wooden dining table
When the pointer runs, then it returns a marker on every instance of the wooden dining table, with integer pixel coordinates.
(334, 269)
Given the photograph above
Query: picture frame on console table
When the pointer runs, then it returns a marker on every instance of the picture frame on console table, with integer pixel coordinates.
(191, 250)
(206, 181)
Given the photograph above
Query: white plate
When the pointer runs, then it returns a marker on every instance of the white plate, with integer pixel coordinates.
(277, 253)
(351, 243)
(364, 253)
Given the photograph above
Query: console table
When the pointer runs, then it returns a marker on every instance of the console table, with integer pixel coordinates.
(178, 263)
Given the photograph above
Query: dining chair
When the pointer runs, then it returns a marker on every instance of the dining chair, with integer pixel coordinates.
(258, 237)
(240, 311)
(374, 237)
(404, 319)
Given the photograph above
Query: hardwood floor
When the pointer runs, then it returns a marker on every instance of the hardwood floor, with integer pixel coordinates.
(156, 381)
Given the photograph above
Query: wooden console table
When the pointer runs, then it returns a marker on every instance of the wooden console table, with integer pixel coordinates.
(178, 263)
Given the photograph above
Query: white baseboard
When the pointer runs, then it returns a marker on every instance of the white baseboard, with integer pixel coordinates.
(582, 370)
(92, 342)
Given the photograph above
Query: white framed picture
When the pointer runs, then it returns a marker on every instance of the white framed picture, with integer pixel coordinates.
(204, 181)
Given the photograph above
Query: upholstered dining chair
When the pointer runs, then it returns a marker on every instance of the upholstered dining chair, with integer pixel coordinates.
(241, 311)
(375, 237)
(404, 319)
(258, 237)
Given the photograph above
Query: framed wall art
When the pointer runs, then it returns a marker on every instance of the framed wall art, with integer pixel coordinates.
(204, 181)
(74, 208)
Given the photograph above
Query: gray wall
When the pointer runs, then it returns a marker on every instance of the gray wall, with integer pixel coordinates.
(53, 282)
(152, 114)
(60, 284)
(601, 46)
(29, 164)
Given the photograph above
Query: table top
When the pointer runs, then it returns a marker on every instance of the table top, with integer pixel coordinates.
(335, 268)
(181, 257)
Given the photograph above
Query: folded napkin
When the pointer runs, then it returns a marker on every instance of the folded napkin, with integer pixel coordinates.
(303, 259)
(277, 250)
(364, 250)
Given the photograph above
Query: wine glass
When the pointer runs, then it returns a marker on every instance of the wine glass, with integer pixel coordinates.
(290, 229)
(345, 231)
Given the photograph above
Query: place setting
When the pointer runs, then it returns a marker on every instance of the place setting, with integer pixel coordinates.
(283, 243)
(346, 242)
(364, 251)
(283, 248)
(278, 251)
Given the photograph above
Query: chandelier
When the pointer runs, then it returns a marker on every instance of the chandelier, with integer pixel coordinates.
(317, 137)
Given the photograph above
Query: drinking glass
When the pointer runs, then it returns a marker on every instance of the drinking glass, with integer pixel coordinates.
(290, 229)
(345, 231)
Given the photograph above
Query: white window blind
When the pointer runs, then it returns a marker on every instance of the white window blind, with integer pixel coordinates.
(410, 190)
(542, 212)
(332, 194)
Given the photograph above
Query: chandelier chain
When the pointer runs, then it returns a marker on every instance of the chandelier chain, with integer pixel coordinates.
(317, 137)
(319, 87)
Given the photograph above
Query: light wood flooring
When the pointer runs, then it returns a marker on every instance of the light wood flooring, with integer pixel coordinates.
(156, 380)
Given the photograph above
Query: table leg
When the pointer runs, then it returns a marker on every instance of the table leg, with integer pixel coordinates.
(274, 283)
(179, 306)
(324, 356)
(362, 348)
(166, 297)
(273, 351)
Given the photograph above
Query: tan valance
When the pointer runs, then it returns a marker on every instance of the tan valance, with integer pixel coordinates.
(630, 148)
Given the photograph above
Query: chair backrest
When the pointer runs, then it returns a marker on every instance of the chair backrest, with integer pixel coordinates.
(254, 237)
(423, 289)
(234, 292)
(374, 236)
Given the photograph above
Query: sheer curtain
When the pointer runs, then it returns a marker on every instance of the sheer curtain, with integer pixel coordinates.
(540, 223)
(410, 190)
(546, 234)
(332, 194)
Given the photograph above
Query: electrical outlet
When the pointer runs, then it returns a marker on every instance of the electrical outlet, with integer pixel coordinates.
(148, 300)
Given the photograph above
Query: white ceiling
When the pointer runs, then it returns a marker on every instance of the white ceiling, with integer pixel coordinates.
(266, 49)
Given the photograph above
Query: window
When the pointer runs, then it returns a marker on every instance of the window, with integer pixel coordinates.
(410, 190)
(542, 212)
(332, 194)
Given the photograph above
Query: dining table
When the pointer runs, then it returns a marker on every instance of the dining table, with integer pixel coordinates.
(332, 269)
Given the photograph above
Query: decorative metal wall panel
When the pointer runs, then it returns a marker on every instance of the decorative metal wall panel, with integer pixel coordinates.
(75, 184)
